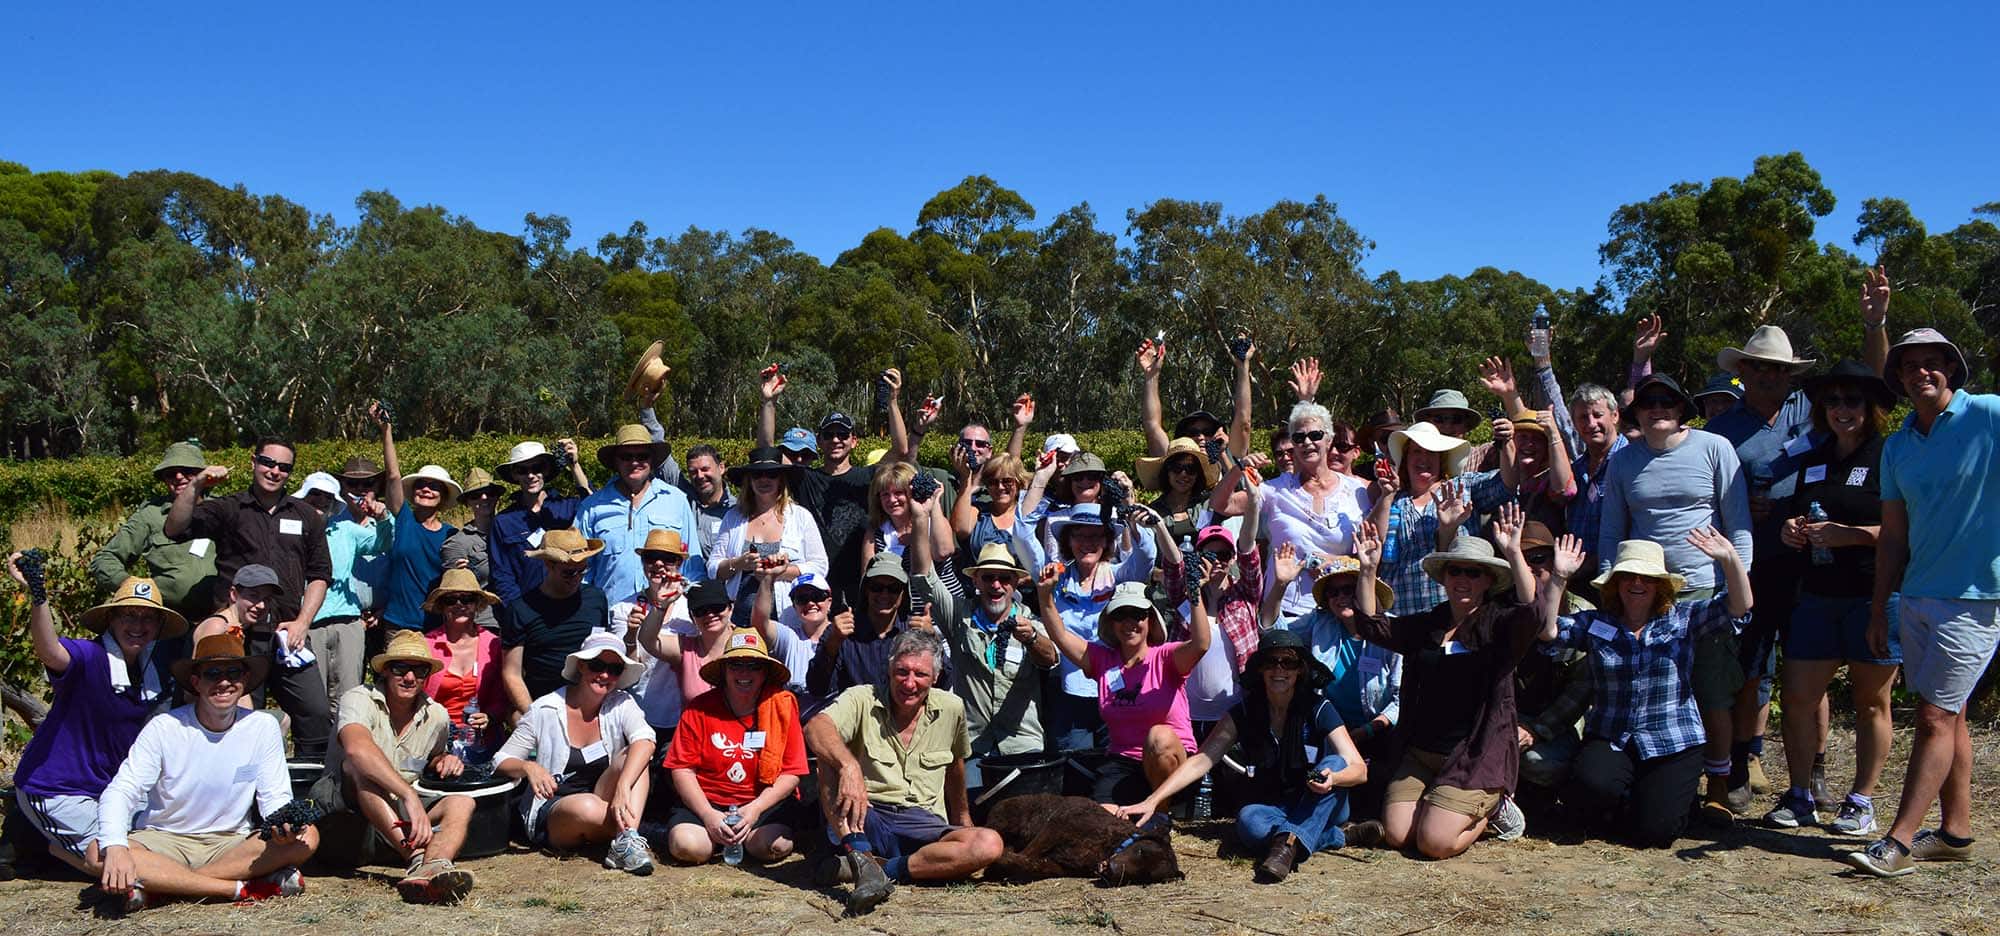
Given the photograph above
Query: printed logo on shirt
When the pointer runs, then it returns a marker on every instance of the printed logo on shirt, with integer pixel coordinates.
(736, 773)
(1858, 476)
(729, 748)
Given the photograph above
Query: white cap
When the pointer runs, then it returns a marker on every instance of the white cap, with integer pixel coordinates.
(318, 481)
(1061, 442)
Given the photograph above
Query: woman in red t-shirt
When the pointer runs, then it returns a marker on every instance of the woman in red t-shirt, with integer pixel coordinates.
(739, 744)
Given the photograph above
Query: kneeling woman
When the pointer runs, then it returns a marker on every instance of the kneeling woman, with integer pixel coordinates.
(1458, 731)
(1640, 764)
(739, 747)
(593, 732)
(1302, 761)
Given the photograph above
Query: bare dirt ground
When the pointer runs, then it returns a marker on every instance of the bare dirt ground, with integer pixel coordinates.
(1748, 880)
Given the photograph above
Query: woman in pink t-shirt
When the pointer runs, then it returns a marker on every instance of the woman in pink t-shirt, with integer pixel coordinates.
(1139, 677)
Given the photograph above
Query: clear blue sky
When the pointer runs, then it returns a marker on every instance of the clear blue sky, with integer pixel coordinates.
(1454, 135)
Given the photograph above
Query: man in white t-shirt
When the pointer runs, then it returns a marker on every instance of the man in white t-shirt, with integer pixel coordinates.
(195, 772)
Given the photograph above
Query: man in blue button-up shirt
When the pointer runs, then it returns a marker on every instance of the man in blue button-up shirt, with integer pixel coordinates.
(635, 503)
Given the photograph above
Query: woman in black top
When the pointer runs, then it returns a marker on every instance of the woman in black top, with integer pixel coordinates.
(1183, 477)
(1829, 627)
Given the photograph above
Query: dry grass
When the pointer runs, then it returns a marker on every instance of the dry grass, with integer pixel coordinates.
(54, 528)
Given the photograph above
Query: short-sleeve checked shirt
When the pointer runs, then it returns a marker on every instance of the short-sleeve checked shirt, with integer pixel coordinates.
(1413, 534)
(1643, 683)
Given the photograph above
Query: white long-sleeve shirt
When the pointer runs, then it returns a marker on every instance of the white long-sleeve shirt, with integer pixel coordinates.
(191, 780)
(800, 542)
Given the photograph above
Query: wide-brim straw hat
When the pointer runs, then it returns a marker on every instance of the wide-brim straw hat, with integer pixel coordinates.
(1769, 344)
(649, 373)
(225, 647)
(1850, 371)
(663, 541)
(596, 645)
(1385, 596)
(1444, 400)
(633, 435)
(432, 473)
(762, 458)
(136, 592)
(1643, 558)
(1529, 421)
(1131, 595)
(458, 582)
(746, 644)
(1151, 470)
(477, 480)
(1467, 549)
(1892, 368)
(994, 557)
(520, 457)
(186, 455)
(566, 545)
(1453, 451)
(407, 646)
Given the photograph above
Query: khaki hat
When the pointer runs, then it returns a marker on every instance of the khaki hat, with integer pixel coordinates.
(633, 435)
(886, 565)
(1447, 400)
(596, 645)
(1428, 438)
(432, 473)
(1083, 462)
(225, 647)
(663, 541)
(746, 644)
(136, 592)
(650, 373)
(996, 557)
(1534, 534)
(458, 582)
(1644, 558)
(407, 646)
(566, 545)
(1467, 549)
(361, 469)
(478, 481)
(1769, 344)
(181, 455)
(1131, 595)
(1892, 367)
(1385, 596)
(1152, 470)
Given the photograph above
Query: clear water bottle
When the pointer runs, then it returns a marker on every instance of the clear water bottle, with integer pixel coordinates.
(1820, 554)
(1538, 333)
(464, 737)
(732, 854)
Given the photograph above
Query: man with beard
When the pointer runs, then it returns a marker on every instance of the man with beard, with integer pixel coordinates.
(184, 572)
(1000, 652)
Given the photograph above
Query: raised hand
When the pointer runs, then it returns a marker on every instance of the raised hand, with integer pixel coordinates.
(894, 379)
(1453, 505)
(1242, 348)
(928, 413)
(1024, 410)
(843, 623)
(1507, 523)
(1305, 379)
(1285, 568)
(1875, 296)
(774, 383)
(1569, 556)
(1650, 331)
(378, 413)
(1047, 578)
(1712, 544)
(1503, 431)
(1151, 355)
(1368, 546)
(1497, 376)
(211, 476)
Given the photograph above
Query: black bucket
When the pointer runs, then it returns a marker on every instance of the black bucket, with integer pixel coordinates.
(304, 774)
(1009, 775)
(486, 834)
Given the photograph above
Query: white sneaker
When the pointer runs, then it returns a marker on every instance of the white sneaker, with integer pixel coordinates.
(629, 853)
(1507, 821)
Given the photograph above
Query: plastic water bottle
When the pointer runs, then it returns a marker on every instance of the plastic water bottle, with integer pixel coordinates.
(1204, 798)
(1538, 333)
(464, 737)
(1820, 554)
(732, 854)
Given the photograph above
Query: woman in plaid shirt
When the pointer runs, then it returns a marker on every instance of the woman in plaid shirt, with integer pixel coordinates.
(1641, 761)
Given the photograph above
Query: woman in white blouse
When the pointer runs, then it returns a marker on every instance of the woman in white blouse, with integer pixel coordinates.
(765, 526)
(1316, 508)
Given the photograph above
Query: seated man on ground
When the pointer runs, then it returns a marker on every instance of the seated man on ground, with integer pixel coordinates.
(892, 759)
(740, 757)
(195, 772)
(387, 735)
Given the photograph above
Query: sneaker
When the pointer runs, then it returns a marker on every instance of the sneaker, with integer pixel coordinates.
(1929, 846)
(1793, 810)
(629, 853)
(1740, 800)
(1760, 783)
(284, 882)
(871, 885)
(1857, 820)
(1882, 858)
(1508, 822)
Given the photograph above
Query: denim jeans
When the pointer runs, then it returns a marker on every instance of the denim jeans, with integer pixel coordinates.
(1314, 818)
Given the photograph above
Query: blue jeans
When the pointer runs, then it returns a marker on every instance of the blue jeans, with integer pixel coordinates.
(1315, 819)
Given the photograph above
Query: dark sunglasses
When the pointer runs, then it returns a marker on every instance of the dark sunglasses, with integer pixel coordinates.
(763, 475)
(1301, 438)
(1537, 557)
(233, 674)
(431, 486)
(883, 588)
(607, 667)
(1454, 419)
(836, 434)
(1181, 467)
(1459, 571)
(1844, 401)
(266, 461)
(1286, 663)
(977, 443)
(1340, 591)
(179, 472)
(461, 599)
(407, 668)
(744, 666)
(996, 578)
(1656, 402)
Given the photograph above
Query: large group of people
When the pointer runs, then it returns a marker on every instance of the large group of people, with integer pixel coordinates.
(1375, 634)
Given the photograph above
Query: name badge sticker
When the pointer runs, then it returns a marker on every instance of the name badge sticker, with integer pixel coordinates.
(1114, 680)
(594, 753)
(199, 547)
(290, 526)
(1799, 445)
(1603, 630)
(1455, 648)
(1815, 474)
(245, 773)
(1369, 665)
(1016, 652)
(753, 740)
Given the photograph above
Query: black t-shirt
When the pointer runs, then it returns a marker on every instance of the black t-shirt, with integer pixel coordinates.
(839, 504)
(1850, 493)
(549, 629)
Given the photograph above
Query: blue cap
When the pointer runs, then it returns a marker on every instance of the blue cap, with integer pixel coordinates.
(800, 439)
(1726, 384)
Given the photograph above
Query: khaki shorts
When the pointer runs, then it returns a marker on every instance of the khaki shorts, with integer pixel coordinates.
(1718, 672)
(193, 849)
(1416, 779)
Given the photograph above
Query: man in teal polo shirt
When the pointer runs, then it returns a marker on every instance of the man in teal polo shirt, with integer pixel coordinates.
(1939, 547)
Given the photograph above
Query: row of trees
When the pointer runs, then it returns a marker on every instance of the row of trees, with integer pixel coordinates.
(163, 305)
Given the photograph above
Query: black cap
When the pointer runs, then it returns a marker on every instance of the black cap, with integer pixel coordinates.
(707, 596)
(837, 418)
(1185, 428)
(1630, 413)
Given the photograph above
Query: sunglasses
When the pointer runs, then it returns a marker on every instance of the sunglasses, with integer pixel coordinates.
(431, 487)
(1453, 419)
(762, 475)
(1181, 467)
(808, 596)
(1340, 591)
(1459, 571)
(836, 434)
(977, 443)
(1656, 402)
(450, 600)
(1539, 557)
(179, 472)
(1844, 401)
(406, 668)
(1301, 438)
(996, 578)
(883, 588)
(233, 674)
(266, 461)
(744, 666)
(1286, 663)
(606, 667)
